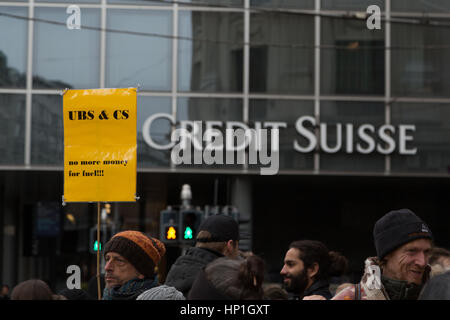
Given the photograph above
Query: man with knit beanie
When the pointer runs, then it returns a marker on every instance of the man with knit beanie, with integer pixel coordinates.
(131, 258)
(403, 243)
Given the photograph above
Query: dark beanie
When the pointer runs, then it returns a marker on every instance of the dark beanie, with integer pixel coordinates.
(221, 227)
(397, 228)
(143, 252)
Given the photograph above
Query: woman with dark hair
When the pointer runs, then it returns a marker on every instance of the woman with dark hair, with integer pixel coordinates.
(230, 279)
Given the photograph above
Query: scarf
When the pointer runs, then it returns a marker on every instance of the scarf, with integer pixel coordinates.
(130, 290)
(401, 290)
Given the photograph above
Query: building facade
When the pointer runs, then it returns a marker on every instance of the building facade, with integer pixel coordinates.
(363, 116)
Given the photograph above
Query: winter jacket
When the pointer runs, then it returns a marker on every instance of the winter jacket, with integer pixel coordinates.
(320, 287)
(185, 269)
(375, 287)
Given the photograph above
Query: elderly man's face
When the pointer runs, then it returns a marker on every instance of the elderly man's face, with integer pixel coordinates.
(118, 270)
(408, 262)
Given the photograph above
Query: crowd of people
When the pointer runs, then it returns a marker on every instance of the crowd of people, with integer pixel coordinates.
(408, 266)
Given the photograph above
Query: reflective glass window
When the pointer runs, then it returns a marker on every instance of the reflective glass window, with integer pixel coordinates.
(12, 128)
(63, 57)
(281, 53)
(287, 111)
(421, 5)
(70, 1)
(209, 109)
(356, 114)
(352, 59)
(420, 60)
(142, 2)
(143, 60)
(47, 132)
(213, 60)
(431, 137)
(13, 48)
(159, 131)
(283, 4)
(355, 5)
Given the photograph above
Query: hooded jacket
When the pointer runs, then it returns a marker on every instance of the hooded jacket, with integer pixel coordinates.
(186, 268)
(376, 287)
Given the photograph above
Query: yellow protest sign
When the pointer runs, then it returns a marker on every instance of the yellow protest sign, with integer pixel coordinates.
(100, 145)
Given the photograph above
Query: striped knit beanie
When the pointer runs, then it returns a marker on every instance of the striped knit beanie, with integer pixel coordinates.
(143, 252)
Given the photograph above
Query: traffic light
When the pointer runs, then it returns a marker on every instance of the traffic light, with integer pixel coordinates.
(190, 221)
(168, 230)
(105, 235)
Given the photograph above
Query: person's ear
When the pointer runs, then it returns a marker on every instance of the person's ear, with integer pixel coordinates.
(313, 270)
(229, 248)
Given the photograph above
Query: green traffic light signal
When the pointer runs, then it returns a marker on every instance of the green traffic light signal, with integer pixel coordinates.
(97, 246)
(188, 233)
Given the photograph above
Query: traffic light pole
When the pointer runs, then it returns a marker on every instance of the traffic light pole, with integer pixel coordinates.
(98, 251)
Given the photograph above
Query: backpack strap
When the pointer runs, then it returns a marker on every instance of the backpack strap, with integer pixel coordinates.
(358, 291)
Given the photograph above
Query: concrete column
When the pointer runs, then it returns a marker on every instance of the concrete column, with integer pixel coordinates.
(241, 197)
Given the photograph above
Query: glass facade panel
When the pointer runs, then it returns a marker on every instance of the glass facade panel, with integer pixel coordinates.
(355, 62)
(420, 5)
(209, 109)
(65, 58)
(139, 59)
(159, 131)
(12, 128)
(141, 2)
(283, 4)
(13, 48)
(281, 54)
(70, 1)
(47, 131)
(431, 137)
(420, 63)
(355, 113)
(204, 64)
(285, 111)
(355, 5)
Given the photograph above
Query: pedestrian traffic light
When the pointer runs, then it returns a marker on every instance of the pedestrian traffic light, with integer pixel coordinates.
(168, 231)
(105, 235)
(190, 221)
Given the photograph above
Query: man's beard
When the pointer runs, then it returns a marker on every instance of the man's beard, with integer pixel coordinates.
(298, 283)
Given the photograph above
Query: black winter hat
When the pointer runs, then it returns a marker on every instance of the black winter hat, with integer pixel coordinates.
(221, 228)
(397, 228)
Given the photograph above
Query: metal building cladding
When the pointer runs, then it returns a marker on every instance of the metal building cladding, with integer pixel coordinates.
(220, 62)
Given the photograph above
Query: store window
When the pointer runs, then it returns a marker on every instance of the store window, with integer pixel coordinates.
(212, 61)
(13, 48)
(65, 58)
(12, 128)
